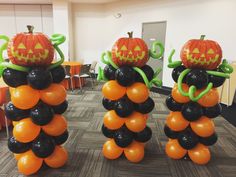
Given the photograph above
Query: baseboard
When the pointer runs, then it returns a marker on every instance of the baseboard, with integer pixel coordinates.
(162, 90)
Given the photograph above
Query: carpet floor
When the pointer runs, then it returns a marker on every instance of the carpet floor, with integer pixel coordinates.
(85, 118)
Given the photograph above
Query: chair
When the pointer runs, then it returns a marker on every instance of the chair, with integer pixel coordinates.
(92, 70)
(68, 76)
(84, 73)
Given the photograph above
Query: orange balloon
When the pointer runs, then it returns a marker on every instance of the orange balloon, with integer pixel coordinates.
(58, 158)
(18, 156)
(24, 97)
(26, 131)
(112, 121)
(176, 122)
(111, 150)
(28, 163)
(200, 154)
(56, 127)
(136, 122)
(54, 95)
(112, 90)
(203, 127)
(14, 123)
(134, 152)
(138, 92)
(178, 96)
(174, 150)
(210, 99)
(11, 89)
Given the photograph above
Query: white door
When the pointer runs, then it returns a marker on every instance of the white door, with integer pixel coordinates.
(151, 32)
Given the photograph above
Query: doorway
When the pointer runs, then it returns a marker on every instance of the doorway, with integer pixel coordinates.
(151, 32)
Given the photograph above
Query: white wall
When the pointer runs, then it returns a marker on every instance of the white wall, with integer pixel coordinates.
(96, 29)
(14, 18)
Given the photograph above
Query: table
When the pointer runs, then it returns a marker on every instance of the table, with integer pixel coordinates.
(227, 90)
(74, 69)
(3, 92)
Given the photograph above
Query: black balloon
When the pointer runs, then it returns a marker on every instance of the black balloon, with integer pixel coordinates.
(209, 141)
(39, 78)
(109, 72)
(212, 112)
(192, 111)
(107, 132)
(43, 146)
(216, 80)
(123, 137)
(14, 78)
(145, 107)
(144, 135)
(124, 107)
(16, 146)
(148, 72)
(61, 138)
(172, 104)
(177, 71)
(15, 114)
(61, 108)
(198, 78)
(108, 104)
(58, 74)
(170, 133)
(187, 139)
(125, 76)
(41, 114)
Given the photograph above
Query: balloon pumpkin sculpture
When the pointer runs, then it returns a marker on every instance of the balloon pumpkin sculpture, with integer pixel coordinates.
(37, 100)
(194, 100)
(126, 97)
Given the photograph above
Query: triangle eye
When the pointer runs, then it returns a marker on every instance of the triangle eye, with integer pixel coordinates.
(211, 51)
(21, 46)
(137, 48)
(196, 50)
(38, 46)
(123, 48)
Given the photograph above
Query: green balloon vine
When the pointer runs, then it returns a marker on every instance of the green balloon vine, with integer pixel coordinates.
(153, 51)
(192, 90)
(172, 64)
(57, 39)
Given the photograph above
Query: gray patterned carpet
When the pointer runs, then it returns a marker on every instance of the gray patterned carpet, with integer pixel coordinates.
(85, 115)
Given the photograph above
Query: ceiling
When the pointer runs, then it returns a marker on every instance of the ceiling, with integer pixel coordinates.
(50, 1)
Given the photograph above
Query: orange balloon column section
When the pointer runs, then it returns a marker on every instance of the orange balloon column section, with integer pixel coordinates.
(38, 101)
(126, 97)
(194, 101)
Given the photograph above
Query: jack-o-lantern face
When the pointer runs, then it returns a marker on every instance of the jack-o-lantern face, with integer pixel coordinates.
(206, 54)
(130, 51)
(30, 49)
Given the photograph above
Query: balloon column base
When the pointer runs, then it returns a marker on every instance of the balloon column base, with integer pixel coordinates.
(134, 152)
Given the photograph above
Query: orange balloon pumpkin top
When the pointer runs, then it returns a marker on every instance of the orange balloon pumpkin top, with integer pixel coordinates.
(30, 49)
(200, 53)
(130, 51)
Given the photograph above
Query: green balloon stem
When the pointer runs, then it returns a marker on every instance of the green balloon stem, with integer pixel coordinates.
(193, 89)
(3, 47)
(143, 75)
(225, 67)
(15, 67)
(57, 39)
(153, 52)
(172, 64)
(219, 74)
(180, 81)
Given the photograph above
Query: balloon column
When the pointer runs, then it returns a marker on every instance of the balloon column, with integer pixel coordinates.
(126, 97)
(37, 100)
(194, 100)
